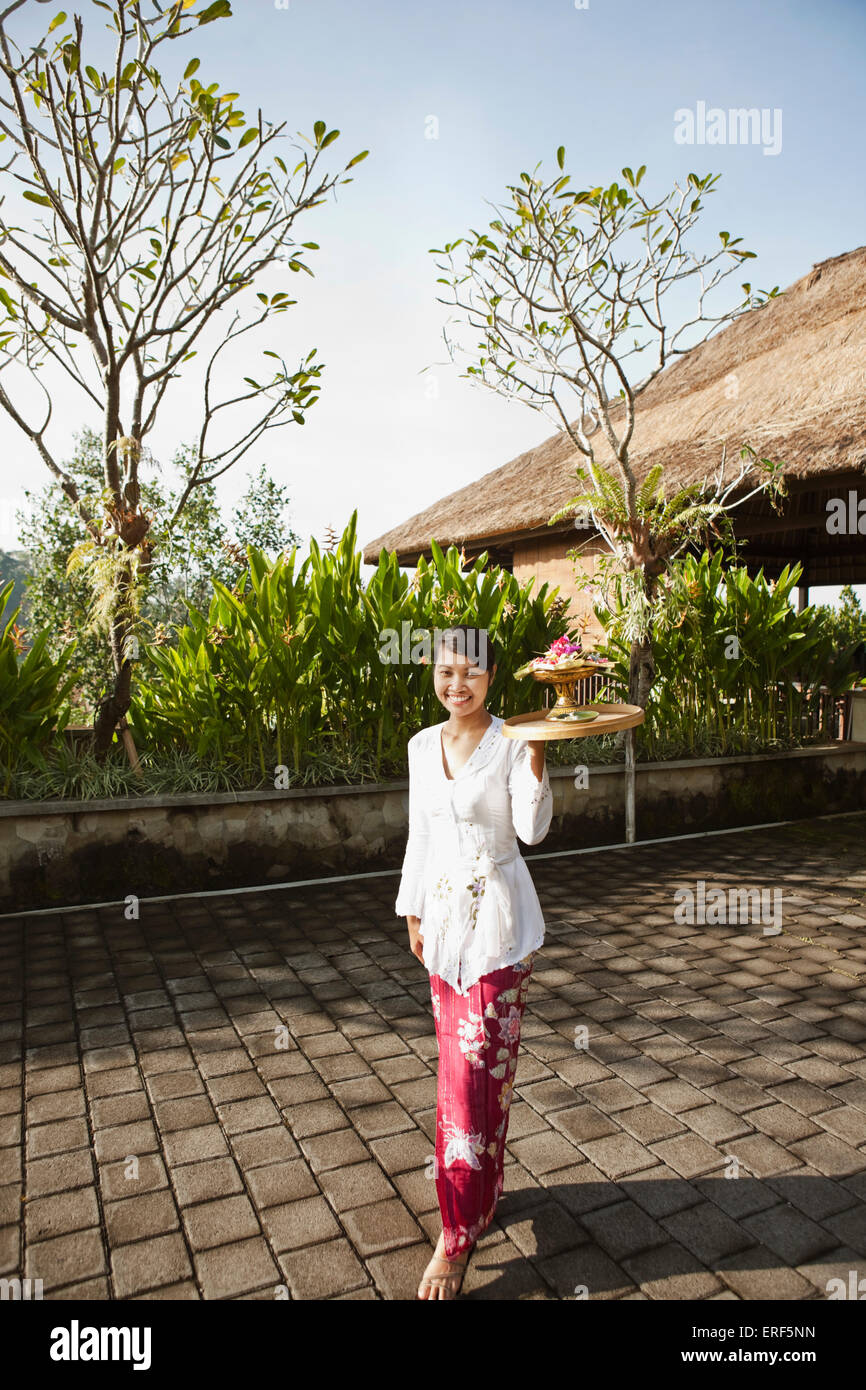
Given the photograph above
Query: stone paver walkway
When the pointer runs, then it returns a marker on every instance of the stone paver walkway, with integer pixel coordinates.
(235, 1097)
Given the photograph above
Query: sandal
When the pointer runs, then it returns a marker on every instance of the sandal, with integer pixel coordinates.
(440, 1281)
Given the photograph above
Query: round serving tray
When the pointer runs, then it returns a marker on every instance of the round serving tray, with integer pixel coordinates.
(609, 719)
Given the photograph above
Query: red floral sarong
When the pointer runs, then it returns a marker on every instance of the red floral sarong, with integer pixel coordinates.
(479, 1036)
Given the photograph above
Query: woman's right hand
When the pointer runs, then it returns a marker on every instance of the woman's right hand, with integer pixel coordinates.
(416, 941)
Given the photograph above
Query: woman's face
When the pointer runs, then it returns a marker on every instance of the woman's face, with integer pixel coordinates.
(460, 685)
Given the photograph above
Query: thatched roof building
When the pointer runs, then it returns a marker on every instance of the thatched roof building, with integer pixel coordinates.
(789, 378)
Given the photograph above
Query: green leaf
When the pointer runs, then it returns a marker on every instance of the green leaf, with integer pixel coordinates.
(192, 66)
(560, 156)
(357, 159)
(58, 19)
(330, 138)
(7, 302)
(93, 75)
(248, 137)
(318, 130)
(37, 198)
(219, 10)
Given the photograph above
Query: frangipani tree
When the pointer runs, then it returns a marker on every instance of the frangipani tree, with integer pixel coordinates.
(165, 214)
(570, 291)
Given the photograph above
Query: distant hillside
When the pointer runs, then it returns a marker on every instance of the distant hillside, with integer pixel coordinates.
(14, 564)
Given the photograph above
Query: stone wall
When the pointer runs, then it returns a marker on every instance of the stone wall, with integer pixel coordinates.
(87, 852)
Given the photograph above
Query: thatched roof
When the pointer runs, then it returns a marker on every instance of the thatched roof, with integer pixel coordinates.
(800, 366)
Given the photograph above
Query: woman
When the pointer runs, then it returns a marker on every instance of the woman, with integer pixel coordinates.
(475, 922)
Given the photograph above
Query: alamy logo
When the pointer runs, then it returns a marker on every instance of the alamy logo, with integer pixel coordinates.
(740, 125)
(76, 1343)
(713, 905)
(20, 1289)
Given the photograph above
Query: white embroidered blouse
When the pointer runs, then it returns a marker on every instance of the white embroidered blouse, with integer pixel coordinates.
(463, 874)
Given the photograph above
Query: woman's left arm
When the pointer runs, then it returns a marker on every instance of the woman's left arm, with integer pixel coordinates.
(531, 797)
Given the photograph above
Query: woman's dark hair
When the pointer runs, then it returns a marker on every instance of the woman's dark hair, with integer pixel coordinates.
(472, 642)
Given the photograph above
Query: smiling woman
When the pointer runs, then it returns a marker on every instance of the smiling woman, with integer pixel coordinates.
(475, 922)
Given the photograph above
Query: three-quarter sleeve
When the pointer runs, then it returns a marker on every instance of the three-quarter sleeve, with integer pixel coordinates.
(410, 896)
(531, 800)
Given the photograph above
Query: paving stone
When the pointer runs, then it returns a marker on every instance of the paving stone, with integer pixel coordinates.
(829, 1155)
(802, 1096)
(622, 1228)
(837, 1266)
(670, 1272)
(61, 1214)
(209, 1178)
(261, 1146)
(318, 1117)
(60, 1105)
(125, 1140)
(790, 1234)
(232, 1270)
(674, 1096)
(185, 1112)
(647, 1123)
(140, 1218)
(659, 1191)
(124, 1179)
(295, 1224)
(845, 1122)
(544, 1152)
(586, 1273)
(584, 1122)
(60, 1173)
(279, 1183)
(355, 1185)
(850, 1228)
(716, 1123)
(687, 1154)
(340, 1147)
(65, 1259)
(335, 1271)
(545, 1229)
(375, 1121)
(57, 1137)
(707, 1232)
(759, 1274)
(783, 1123)
(762, 1156)
(220, 1222)
(380, 1227)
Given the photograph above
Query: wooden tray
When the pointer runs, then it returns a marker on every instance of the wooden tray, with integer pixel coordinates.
(611, 717)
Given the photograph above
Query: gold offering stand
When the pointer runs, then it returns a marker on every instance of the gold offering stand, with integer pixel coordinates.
(573, 717)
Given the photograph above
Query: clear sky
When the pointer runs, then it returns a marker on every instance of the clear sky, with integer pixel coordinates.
(507, 83)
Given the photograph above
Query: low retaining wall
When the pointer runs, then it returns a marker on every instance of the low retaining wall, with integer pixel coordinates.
(101, 851)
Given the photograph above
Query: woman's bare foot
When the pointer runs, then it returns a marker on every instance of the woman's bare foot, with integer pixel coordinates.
(443, 1277)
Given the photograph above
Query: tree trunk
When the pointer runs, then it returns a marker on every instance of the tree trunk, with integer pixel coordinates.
(113, 706)
(111, 709)
(642, 672)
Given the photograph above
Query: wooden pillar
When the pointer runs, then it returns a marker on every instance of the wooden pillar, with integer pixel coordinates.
(629, 786)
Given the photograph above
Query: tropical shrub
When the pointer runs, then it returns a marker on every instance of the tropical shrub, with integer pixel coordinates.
(33, 694)
(287, 665)
(738, 667)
